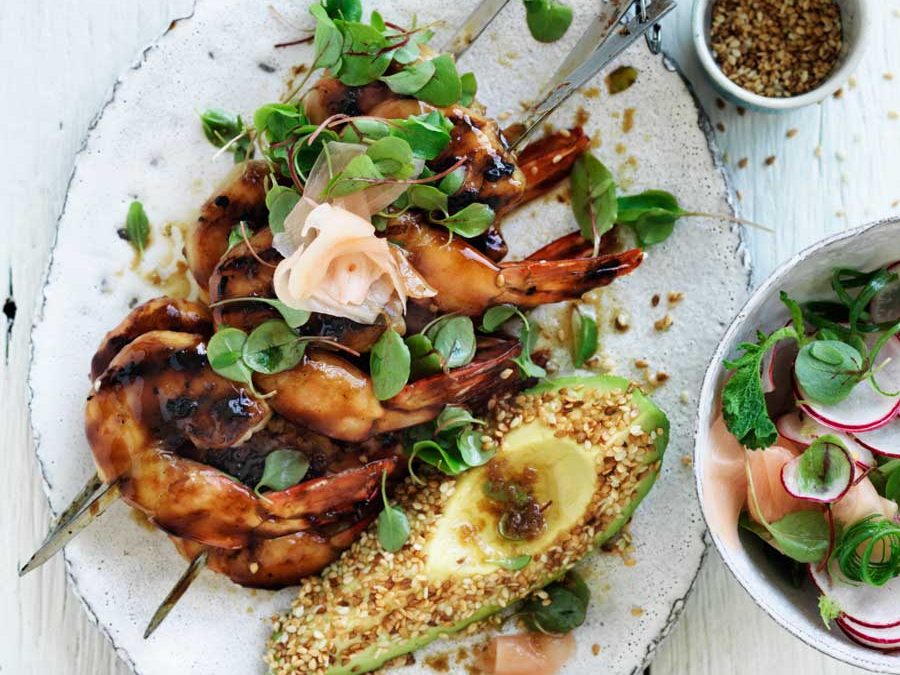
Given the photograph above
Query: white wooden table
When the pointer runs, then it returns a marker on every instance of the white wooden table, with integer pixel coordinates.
(58, 62)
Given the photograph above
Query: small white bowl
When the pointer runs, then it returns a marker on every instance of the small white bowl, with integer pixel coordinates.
(805, 276)
(856, 26)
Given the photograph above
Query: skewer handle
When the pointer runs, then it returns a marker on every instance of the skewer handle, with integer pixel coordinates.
(618, 40)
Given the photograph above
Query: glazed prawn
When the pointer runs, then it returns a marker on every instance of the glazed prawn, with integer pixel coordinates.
(159, 420)
(185, 446)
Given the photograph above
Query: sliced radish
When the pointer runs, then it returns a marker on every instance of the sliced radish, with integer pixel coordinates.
(804, 430)
(777, 364)
(863, 606)
(884, 440)
(885, 306)
(865, 408)
(887, 639)
(822, 473)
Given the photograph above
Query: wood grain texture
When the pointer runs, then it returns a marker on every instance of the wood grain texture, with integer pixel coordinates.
(60, 61)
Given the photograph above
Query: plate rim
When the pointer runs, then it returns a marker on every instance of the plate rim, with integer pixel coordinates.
(705, 125)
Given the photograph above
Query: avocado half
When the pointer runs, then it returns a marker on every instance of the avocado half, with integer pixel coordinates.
(594, 447)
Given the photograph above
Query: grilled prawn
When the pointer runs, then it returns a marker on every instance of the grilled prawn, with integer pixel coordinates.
(171, 433)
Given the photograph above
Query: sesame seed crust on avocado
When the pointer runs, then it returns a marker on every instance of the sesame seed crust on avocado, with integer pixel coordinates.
(372, 606)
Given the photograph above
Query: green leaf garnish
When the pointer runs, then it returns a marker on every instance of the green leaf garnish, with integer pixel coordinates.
(348, 10)
(469, 88)
(328, 41)
(584, 334)
(803, 536)
(273, 347)
(450, 443)
(495, 317)
(389, 365)
(454, 417)
(283, 469)
(453, 338)
(223, 129)
(566, 610)
(359, 174)
(829, 610)
(444, 88)
(137, 227)
(513, 564)
(427, 198)
(294, 318)
(280, 201)
(743, 400)
(470, 221)
(651, 214)
(827, 370)
(363, 58)
(393, 525)
(593, 197)
(224, 351)
(453, 181)
(428, 135)
(411, 79)
(392, 157)
(548, 20)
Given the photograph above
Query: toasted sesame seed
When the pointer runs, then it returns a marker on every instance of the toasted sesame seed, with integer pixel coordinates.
(776, 48)
(664, 323)
(371, 599)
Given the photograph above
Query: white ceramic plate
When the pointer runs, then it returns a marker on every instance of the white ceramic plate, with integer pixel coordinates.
(147, 144)
(806, 276)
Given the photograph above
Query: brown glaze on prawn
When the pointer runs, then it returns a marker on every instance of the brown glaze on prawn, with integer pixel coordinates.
(282, 561)
(169, 313)
(159, 403)
(241, 197)
(332, 396)
(492, 176)
(469, 282)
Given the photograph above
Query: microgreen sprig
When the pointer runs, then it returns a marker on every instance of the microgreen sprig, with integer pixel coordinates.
(137, 227)
(393, 525)
(284, 468)
(500, 314)
(451, 443)
(560, 609)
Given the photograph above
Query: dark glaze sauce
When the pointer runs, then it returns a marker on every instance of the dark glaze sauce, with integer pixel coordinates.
(175, 396)
(511, 498)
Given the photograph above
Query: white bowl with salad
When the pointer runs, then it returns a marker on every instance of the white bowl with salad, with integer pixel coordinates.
(797, 454)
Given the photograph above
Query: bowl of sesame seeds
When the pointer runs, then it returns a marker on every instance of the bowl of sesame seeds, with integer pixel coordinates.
(775, 55)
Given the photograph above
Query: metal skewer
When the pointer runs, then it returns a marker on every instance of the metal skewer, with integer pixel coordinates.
(485, 12)
(86, 507)
(183, 583)
(594, 35)
(622, 36)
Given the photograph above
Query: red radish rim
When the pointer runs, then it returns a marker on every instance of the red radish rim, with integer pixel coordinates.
(851, 428)
(847, 427)
(879, 451)
(817, 500)
(783, 425)
(883, 453)
(810, 571)
(784, 430)
(857, 641)
(892, 644)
